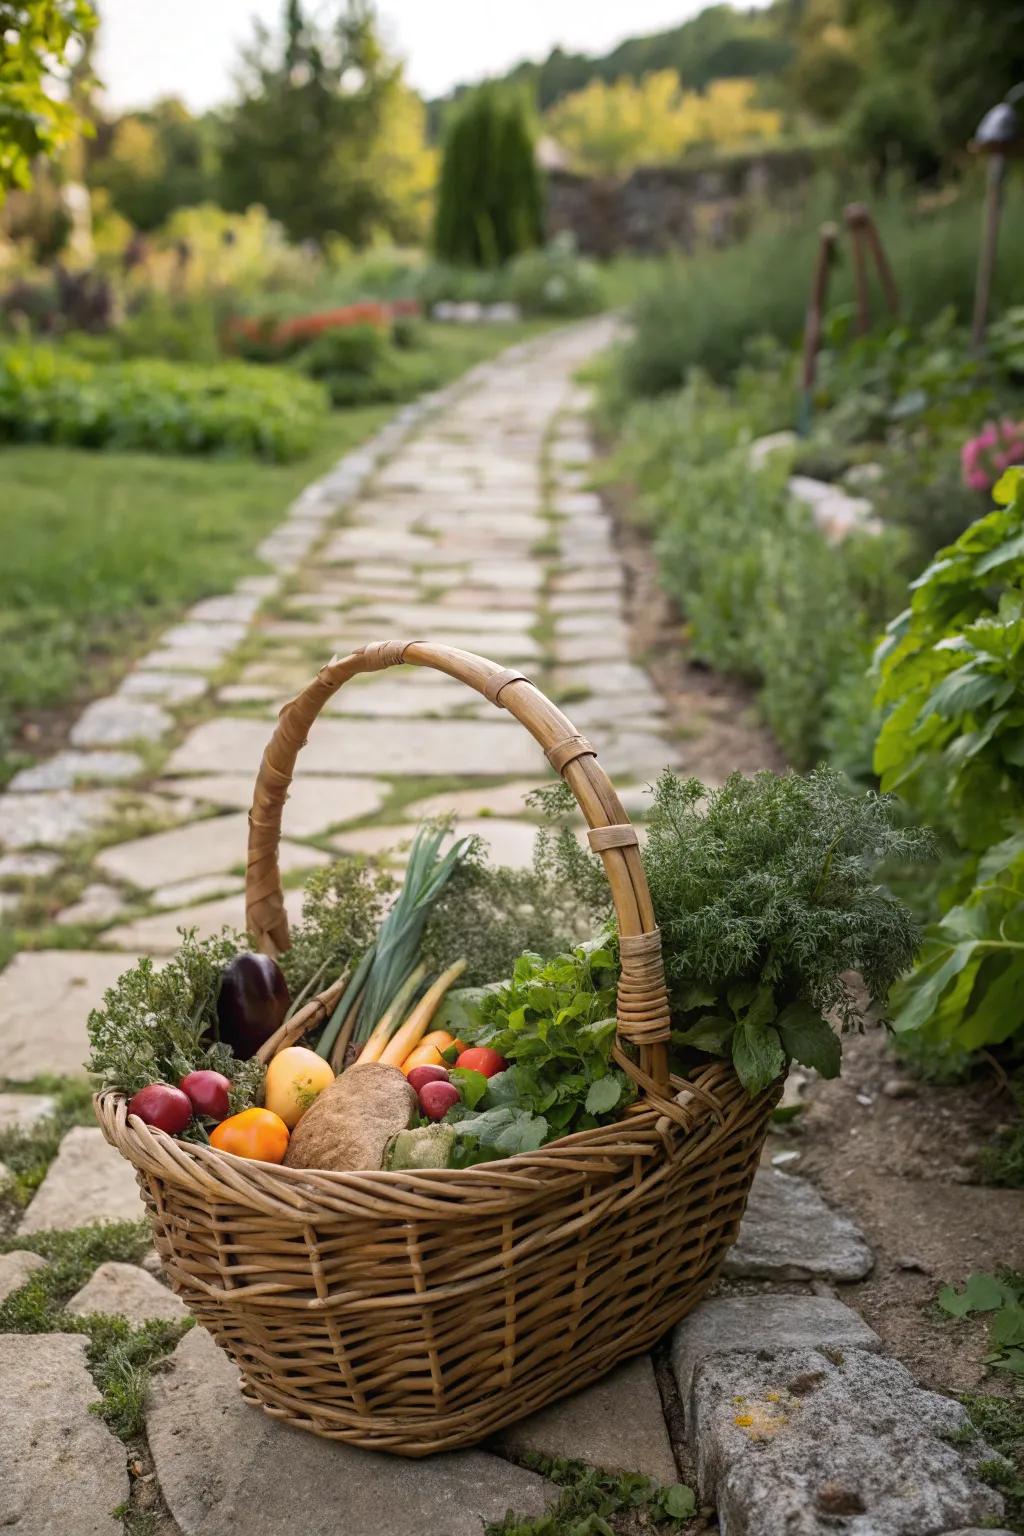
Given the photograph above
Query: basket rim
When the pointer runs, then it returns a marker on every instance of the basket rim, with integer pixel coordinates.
(192, 1159)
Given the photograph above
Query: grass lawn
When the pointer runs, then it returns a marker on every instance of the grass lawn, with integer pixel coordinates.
(100, 550)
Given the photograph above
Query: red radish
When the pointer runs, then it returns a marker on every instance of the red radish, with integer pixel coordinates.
(481, 1058)
(208, 1092)
(437, 1098)
(161, 1105)
(420, 1075)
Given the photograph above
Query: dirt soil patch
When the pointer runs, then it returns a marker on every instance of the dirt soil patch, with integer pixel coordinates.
(898, 1157)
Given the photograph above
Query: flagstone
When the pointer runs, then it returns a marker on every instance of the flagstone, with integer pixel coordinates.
(46, 996)
(216, 1456)
(64, 1470)
(108, 722)
(198, 848)
(22, 1111)
(314, 803)
(509, 843)
(231, 608)
(481, 802)
(184, 658)
(66, 769)
(28, 866)
(169, 688)
(160, 934)
(97, 904)
(125, 1290)
(194, 632)
(437, 747)
(87, 1181)
(184, 893)
(15, 1269)
(53, 818)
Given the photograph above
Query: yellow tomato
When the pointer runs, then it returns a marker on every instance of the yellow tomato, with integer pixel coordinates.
(295, 1078)
(255, 1133)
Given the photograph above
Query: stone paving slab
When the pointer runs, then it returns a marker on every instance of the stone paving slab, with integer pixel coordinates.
(617, 1424)
(64, 1472)
(66, 769)
(805, 1443)
(22, 1111)
(15, 1269)
(200, 848)
(789, 1233)
(109, 722)
(314, 803)
(508, 842)
(87, 1181)
(160, 934)
(45, 998)
(746, 1324)
(125, 1290)
(53, 819)
(484, 748)
(221, 1461)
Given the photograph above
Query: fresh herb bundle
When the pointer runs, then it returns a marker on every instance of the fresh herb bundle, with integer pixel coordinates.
(156, 1025)
(766, 895)
(554, 1022)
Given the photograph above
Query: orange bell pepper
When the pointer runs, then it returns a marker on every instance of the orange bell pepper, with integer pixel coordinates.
(255, 1133)
(428, 1052)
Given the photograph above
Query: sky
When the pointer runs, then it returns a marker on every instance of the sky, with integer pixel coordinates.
(187, 48)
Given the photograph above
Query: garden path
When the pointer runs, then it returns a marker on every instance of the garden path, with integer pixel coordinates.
(469, 520)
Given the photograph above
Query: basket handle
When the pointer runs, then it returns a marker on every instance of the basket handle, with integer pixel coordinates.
(642, 1002)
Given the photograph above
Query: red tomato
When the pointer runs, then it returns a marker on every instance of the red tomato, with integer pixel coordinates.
(481, 1058)
(208, 1092)
(161, 1105)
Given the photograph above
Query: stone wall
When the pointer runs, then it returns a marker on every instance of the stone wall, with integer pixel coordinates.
(671, 207)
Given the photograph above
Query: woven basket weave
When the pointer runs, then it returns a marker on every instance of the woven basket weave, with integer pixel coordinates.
(414, 1312)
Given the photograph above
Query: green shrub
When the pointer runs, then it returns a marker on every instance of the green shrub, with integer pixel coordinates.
(553, 281)
(703, 310)
(46, 396)
(489, 197)
(176, 330)
(359, 365)
(951, 688)
(764, 596)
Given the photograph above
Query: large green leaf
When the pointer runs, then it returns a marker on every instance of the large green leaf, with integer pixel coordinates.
(757, 1055)
(925, 988)
(809, 1039)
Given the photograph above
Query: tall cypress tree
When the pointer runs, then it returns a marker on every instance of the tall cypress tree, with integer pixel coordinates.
(489, 201)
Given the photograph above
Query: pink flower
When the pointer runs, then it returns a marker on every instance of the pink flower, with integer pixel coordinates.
(984, 458)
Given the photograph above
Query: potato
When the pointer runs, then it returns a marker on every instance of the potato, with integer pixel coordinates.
(350, 1124)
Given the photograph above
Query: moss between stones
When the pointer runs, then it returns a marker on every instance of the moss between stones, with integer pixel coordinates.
(119, 1355)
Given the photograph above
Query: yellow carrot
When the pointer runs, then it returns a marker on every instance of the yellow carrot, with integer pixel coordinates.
(415, 1026)
(378, 1037)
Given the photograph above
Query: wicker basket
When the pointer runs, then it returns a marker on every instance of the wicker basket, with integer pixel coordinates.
(413, 1312)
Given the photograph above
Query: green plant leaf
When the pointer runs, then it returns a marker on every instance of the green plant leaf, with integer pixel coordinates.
(471, 1085)
(809, 1039)
(982, 1293)
(711, 1033)
(1007, 1327)
(757, 1055)
(1013, 1361)
(603, 1095)
(678, 1501)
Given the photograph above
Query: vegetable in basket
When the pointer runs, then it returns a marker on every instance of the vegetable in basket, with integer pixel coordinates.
(256, 1133)
(252, 1002)
(295, 1078)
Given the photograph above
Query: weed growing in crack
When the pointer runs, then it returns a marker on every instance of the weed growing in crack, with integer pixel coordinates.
(597, 1503)
(119, 1355)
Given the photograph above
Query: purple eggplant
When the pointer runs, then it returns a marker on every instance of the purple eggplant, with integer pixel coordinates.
(252, 1002)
